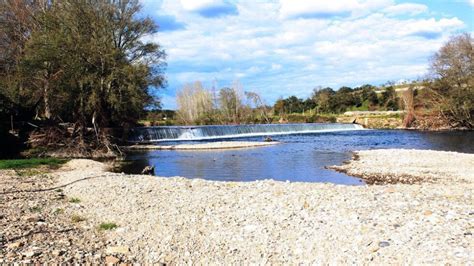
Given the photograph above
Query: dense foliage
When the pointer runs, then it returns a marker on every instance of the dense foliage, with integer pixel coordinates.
(83, 62)
(328, 100)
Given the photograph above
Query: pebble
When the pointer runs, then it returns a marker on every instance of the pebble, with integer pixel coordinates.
(14, 245)
(118, 250)
(31, 253)
(111, 260)
(57, 252)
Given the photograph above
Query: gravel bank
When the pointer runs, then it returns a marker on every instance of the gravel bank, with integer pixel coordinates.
(40, 224)
(410, 166)
(204, 146)
(178, 220)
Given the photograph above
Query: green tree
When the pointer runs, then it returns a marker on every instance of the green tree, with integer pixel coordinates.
(95, 54)
(322, 98)
(85, 62)
(373, 98)
(279, 107)
(389, 99)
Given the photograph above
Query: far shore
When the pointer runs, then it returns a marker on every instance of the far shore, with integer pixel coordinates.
(422, 214)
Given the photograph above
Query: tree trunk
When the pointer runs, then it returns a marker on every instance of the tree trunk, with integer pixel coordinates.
(47, 110)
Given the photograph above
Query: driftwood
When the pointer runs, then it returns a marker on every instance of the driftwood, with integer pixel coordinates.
(69, 140)
(268, 139)
(148, 170)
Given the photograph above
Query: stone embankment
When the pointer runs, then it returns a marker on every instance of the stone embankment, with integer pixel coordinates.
(374, 119)
(179, 220)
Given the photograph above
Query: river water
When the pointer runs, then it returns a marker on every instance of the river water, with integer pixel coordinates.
(299, 157)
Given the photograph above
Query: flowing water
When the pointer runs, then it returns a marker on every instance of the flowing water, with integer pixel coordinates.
(300, 157)
(183, 133)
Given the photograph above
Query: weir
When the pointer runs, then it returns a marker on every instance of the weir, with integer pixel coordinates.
(184, 133)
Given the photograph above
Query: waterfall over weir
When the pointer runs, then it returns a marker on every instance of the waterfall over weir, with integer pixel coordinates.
(183, 133)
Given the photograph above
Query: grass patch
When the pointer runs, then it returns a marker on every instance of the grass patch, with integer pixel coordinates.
(31, 163)
(107, 226)
(77, 218)
(74, 200)
(58, 211)
(28, 172)
(36, 209)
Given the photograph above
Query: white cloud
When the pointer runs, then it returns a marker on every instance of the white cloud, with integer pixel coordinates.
(196, 5)
(276, 56)
(406, 8)
(329, 8)
(471, 2)
(276, 67)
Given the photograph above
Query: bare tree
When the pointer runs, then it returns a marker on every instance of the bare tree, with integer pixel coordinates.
(230, 102)
(258, 104)
(452, 86)
(408, 103)
(194, 103)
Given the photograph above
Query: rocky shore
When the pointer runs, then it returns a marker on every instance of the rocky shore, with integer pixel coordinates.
(179, 220)
(410, 166)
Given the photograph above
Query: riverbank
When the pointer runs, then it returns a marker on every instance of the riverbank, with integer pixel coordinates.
(179, 220)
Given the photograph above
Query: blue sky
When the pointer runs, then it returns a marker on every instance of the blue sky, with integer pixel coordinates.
(280, 48)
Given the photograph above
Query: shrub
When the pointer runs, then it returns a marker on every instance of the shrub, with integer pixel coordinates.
(107, 226)
(77, 218)
(74, 200)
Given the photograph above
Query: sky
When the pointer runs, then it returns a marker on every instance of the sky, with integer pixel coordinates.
(280, 48)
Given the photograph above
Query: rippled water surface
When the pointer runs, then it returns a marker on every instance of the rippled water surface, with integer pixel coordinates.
(299, 157)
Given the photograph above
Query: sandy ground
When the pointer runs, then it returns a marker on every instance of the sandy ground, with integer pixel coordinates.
(178, 220)
(203, 146)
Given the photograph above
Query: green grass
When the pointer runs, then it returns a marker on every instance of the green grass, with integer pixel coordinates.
(107, 226)
(74, 200)
(30, 163)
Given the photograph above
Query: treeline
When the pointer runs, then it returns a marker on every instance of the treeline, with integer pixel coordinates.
(232, 105)
(328, 100)
(79, 62)
(229, 105)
